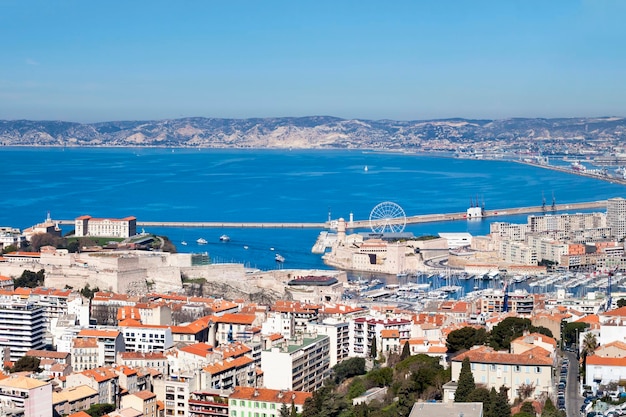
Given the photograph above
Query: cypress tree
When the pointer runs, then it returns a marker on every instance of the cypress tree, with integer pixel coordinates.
(406, 352)
(466, 382)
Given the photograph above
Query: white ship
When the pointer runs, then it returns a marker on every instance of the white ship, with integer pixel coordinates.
(225, 238)
(201, 241)
(279, 258)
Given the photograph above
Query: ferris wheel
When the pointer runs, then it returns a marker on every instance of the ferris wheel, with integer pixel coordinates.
(387, 217)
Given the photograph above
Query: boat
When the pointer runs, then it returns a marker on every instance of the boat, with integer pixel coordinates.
(245, 246)
(577, 166)
(279, 258)
(365, 169)
(224, 238)
(183, 243)
(201, 241)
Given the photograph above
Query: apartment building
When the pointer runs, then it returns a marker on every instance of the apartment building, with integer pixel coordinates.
(22, 327)
(145, 338)
(32, 396)
(109, 342)
(616, 217)
(300, 364)
(532, 368)
(209, 403)
(263, 402)
(143, 401)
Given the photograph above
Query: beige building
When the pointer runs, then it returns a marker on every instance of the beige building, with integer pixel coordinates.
(74, 399)
(89, 226)
(263, 402)
(492, 369)
(143, 401)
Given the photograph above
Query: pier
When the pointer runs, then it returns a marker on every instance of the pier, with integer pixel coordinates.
(364, 224)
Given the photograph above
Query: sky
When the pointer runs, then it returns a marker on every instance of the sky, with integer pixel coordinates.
(91, 61)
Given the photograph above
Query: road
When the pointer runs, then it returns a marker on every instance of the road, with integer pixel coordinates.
(573, 399)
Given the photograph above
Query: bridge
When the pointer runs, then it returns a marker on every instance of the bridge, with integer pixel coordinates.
(365, 224)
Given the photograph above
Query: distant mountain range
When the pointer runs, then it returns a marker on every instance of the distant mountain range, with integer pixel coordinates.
(316, 132)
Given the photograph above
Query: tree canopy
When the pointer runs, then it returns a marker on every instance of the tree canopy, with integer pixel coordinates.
(466, 382)
(465, 338)
(30, 279)
(26, 363)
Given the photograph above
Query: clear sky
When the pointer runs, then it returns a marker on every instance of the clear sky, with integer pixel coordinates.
(92, 61)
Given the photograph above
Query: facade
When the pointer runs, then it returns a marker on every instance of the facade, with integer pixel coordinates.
(110, 343)
(88, 226)
(72, 400)
(144, 338)
(263, 402)
(616, 217)
(208, 403)
(339, 333)
(298, 365)
(602, 370)
(495, 369)
(143, 401)
(22, 327)
(32, 396)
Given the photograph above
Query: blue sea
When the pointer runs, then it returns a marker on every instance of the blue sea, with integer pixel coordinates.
(269, 186)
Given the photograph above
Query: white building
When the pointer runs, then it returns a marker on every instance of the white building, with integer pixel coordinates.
(244, 401)
(88, 226)
(616, 217)
(22, 327)
(339, 333)
(145, 338)
(298, 365)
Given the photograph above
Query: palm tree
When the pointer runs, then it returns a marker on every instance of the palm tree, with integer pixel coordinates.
(590, 343)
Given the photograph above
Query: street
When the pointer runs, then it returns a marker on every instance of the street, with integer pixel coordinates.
(573, 399)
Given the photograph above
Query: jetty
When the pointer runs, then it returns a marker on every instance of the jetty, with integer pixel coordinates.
(365, 224)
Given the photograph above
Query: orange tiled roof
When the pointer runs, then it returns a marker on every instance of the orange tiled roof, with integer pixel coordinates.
(389, 333)
(85, 342)
(100, 374)
(617, 312)
(98, 333)
(236, 318)
(604, 361)
(199, 349)
(227, 364)
(483, 354)
(270, 395)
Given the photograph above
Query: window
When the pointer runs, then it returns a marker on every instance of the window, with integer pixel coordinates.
(517, 368)
(538, 369)
(493, 367)
(242, 403)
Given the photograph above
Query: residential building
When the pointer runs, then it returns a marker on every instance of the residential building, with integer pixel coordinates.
(264, 402)
(300, 365)
(145, 338)
(209, 403)
(446, 409)
(339, 334)
(110, 343)
(22, 327)
(143, 401)
(74, 399)
(616, 217)
(28, 394)
(86, 353)
(154, 360)
(104, 380)
(532, 368)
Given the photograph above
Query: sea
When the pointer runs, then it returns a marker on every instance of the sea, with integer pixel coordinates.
(258, 185)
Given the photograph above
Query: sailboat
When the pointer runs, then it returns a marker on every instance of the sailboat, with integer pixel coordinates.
(366, 168)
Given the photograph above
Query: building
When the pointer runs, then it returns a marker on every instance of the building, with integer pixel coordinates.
(143, 401)
(263, 402)
(22, 327)
(532, 368)
(110, 343)
(74, 399)
(446, 409)
(209, 403)
(89, 226)
(339, 333)
(146, 338)
(298, 365)
(616, 217)
(19, 392)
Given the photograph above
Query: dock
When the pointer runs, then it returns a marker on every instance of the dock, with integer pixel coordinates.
(365, 224)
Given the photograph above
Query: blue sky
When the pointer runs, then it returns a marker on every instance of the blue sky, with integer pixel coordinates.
(92, 61)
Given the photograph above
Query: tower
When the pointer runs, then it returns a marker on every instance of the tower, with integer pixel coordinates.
(616, 217)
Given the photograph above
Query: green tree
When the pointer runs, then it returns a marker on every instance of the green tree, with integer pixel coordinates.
(373, 349)
(500, 403)
(26, 363)
(589, 345)
(406, 351)
(9, 249)
(479, 395)
(465, 338)
(30, 279)
(323, 403)
(527, 407)
(621, 302)
(466, 382)
(98, 410)
(549, 410)
(380, 377)
(284, 411)
(356, 388)
(507, 330)
(348, 368)
(571, 330)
